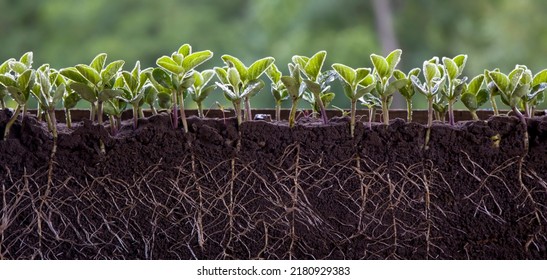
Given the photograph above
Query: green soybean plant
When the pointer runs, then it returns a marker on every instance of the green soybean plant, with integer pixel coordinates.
(454, 86)
(512, 88)
(150, 97)
(372, 102)
(383, 71)
(70, 99)
(440, 106)
(474, 95)
(492, 90)
(279, 91)
(199, 91)
(536, 95)
(114, 108)
(295, 87)
(95, 82)
(132, 83)
(407, 91)
(326, 99)
(356, 83)
(18, 82)
(314, 80)
(176, 75)
(4, 70)
(240, 82)
(434, 81)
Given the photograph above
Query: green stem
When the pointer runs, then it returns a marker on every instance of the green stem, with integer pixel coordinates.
(451, 112)
(68, 118)
(175, 112)
(48, 121)
(237, 109)
(292, 114)
(200, 110)
(409, 110)
(278, 110)
(141, 112)
(248, 114)
(494, 105)
(100, 112)
(385, 110)
(370, 116)
(474, 115)
(352, 119)
(113, 127)
(11, 121)
(321, 108)
(429, 111)
(135, 116)
(153, 109)
(92, 111)
(182, 112)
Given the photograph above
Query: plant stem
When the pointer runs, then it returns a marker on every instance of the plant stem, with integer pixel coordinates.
(451, 112)
(278, 110)
(321, 108)
(92, 112)
(2, 104)
(248, 115)
(352, 119)
(11, 121)
(175, 112)
(429, 111)
(385, 110)
(51, 118)
(474, 115)
(68, 118)
(141, 112)
(153, 109)
(48, 121)
(39, 113)
(135, 116)
(409, 110)
(113, 128)
(100, 112)
(371, 113)
(200, 109)
(527, 109)
(292, 114)
(237, 109)
(494, 105)
(182, 112)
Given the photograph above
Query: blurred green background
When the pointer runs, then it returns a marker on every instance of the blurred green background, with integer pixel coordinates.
(494, 33)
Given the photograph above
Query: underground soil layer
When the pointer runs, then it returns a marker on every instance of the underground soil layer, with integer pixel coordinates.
(263, 190)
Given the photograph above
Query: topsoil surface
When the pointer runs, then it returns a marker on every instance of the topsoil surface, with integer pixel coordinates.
(265, 191)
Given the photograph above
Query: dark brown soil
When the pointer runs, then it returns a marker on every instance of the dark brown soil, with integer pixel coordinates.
(265, 191)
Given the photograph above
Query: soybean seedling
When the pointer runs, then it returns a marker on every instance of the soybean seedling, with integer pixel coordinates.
(279, 91)
(132, 83)
(4, 71)
(512, 88)
(199, 90)
(454, 86)
(407, 91)
(356, 83)
(114, 108)
(311, 69)
(176, 75)
(383, 71)
(434, 81)
(372, 102)
(241, 83)
(295, 87)
(474, 95)
(95, 83)
(536, 95)
(18, 82)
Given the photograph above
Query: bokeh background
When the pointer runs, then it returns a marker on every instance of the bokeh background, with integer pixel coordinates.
(494, 33)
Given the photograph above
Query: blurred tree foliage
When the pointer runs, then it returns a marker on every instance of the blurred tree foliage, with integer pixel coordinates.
(495, 33)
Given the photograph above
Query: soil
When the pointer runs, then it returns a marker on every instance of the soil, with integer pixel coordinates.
(265, 191)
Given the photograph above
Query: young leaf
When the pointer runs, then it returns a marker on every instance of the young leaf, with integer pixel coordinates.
(259, 67)
(451, 67)
(165, 100)
(500, 80)
(17, 67)
(380, 65)
(25, 80)
(162, 78)
(108, 94)
(393, 59)
(222, 75)
(73, 75)
(111, 70)
(539, 78)
(71, 100)
(169, 64)
(253, 87)
(98, 62)
(89, 73)
(235, 62)
(228, 92)
(346, 73)
(185, 50)
(84, 91)
(26, 59)
(395, 86)
(274, 74)
(430, 71)
(314, 65)
(195, 59)
(292, 86)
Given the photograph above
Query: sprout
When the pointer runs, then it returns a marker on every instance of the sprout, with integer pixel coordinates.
(279, 91)
(492, 90)
(512, 87)
(321, 89)
(150, 96)
(440, 106)
(114, 109)
(132, 83)
(407, 91)
(18, 81)
(295, 88)
(372, 102)
(454, 86)
(434, 80)
(356, 83)
(4, 71)
(95, 82)
(240, 83)
(474, 95)
(176, 75)
(383, 71)
(199, 91)
(311, 69)
(537, 92)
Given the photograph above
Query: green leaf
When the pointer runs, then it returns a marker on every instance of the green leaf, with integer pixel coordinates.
(232, 61)
(206, 91)
(292, 86)
(26, 59)
(170, 65)
(233, 77)
(18, 67)
(475, 84)
(364, 90)
(73, 74)
(259, 67)
(136, 72)
(500, 80)
(380, 65)
(177, 58)
(185, 50)
(7, 81)
(195, 59)
(84, 91)
(418, 85)
(164, 100)
(393, 59)
(162, 78)
(539, 78)
(4, 67)
(314, 65)
(228, 92)
(129, 81)
(460, 61)
(71, 100)
(43, 81)
(514, 79)
(89, 73)
(470, 101)
(150, 94)
(222, 75)
(414, 72)
(274, 74)
(207, 75)
(398, 74)
(58, 95)
(346, 73)
(300, 61)
(430, 71)
(108, 94)
(327, 98)
(25, 80)
(362, 74)
(111, 70)
(17, 95)
(395, 86)
(252, 88)
(451, 68)
(98, 62)
(482, 97)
